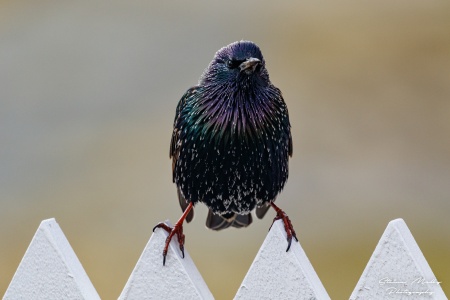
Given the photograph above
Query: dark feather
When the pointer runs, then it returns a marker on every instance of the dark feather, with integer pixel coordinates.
(262, 210)
(219, 222)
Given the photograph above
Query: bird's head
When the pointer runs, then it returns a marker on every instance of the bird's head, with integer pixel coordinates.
(240, 63)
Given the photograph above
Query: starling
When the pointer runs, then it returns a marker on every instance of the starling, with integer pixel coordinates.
(231, 143)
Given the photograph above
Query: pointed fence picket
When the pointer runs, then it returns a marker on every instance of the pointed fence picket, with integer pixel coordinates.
(50, 269)
(397, 270)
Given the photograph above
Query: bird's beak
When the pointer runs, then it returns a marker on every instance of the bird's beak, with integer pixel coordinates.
(249, 65)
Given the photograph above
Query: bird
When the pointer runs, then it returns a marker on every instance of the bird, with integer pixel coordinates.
(231, 143)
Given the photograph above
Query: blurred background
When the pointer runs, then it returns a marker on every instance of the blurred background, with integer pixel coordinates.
(88, 91)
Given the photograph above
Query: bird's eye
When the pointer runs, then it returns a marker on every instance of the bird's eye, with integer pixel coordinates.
(233, 64)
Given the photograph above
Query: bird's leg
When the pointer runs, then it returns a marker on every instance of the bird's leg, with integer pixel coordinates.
(177, 229)
(287, 224)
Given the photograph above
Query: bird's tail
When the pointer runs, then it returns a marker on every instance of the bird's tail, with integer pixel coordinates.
(219, 222)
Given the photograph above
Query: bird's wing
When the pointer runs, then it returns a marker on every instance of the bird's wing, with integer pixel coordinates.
(175, 145)
(261, 210)
(290, 144)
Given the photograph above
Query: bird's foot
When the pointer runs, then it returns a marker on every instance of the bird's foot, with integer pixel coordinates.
(178, 230)
(287, 224)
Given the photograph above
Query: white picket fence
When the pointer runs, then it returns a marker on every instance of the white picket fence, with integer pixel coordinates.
(397, 270)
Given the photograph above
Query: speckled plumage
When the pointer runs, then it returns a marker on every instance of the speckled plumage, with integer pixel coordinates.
(231, 140)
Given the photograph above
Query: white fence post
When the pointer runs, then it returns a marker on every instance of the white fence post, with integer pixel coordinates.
(397, 269)
(50, 269)
(277, 274)
(178, 279)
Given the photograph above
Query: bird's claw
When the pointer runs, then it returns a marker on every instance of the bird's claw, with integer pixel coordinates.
(178, 230)
(182, 250)
(163, 226)
(290, 232)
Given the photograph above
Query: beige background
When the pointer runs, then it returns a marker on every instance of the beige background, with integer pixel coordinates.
(88, 91)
